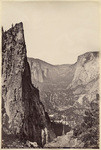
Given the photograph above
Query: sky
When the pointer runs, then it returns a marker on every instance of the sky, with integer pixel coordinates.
(56, 32)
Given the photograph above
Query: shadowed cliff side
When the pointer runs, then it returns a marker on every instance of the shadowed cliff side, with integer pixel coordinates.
(23, 114)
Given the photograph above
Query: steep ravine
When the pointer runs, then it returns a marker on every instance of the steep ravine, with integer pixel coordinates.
(23, 114)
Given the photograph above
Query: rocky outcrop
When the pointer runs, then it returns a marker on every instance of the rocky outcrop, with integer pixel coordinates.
(23, 113)
(65, 141)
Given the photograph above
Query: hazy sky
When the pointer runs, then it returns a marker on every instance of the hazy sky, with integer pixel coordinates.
(56, 32)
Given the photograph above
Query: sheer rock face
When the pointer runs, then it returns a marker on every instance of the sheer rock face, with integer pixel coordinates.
(13, 55)
(87, 68)
(44, 75)
(22, 111)
(86, 77)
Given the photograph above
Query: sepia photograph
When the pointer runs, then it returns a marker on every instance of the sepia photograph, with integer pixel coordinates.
(50, 75)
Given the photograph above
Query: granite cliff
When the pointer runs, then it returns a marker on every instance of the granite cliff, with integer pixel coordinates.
(23, 114)
(43, 73)
(87, 69)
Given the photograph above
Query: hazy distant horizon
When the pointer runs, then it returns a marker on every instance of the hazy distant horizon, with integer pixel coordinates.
(55, 32)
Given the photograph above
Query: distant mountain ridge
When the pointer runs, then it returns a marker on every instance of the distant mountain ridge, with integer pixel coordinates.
(44, 73)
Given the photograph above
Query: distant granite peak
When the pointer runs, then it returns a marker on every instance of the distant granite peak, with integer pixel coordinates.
(88, 56)
(87, 68)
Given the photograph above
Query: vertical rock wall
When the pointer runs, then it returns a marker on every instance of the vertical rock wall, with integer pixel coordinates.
(22, 111)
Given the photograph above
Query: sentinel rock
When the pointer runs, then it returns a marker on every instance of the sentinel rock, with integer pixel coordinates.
(13, 55)
(23, 114)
